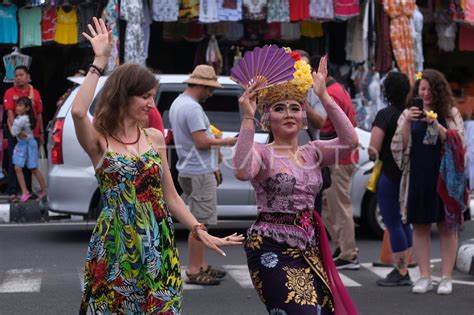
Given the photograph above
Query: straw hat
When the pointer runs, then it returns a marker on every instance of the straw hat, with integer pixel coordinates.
(204, 75)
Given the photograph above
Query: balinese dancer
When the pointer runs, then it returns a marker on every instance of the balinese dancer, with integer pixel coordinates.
(287, 249)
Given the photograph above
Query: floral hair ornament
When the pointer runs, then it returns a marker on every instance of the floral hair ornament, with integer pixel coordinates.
(419, 75)
(295, 89)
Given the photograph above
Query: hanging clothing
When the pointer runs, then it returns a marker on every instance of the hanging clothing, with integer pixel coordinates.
(274, 32)
(230, 10)
(208, 11)
(48, 24)
(29, 19)
(446, 31)
(85, 12)
(174, 31)
(195, 32)
(214, 56)
(368, 31)
(165, 10)
(466, 38)
(255, 9)
(66, 27)
(236, 32)
(218, 29)
(12, 61)
(290, 31)
(355, 40)
(8, 24)
(278, 11)
(132, 263)
(299, 10)
(132, 12)
(322, 10)
(110, 14)
(345, 9)
(383, 48)
(188, 10)
(311, 29)
(417, 29)
(401, 37)
(146, 27)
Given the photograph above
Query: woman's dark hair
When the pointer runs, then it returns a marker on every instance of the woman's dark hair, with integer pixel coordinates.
(442, 99)
(125, 81)
(25, 101)
(396, 88)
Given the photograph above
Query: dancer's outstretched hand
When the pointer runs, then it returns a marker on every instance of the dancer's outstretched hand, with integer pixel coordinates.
(215, 243)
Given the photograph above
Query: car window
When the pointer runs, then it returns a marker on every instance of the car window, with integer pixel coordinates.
(222, 108)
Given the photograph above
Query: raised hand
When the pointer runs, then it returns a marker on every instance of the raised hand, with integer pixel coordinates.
(100, 38)
(319, 78)
(215, 243)
(248, 100)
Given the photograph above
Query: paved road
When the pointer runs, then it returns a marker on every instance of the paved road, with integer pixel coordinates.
(41, 273)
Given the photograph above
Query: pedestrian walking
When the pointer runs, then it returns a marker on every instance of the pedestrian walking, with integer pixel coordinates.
(423, 137)
(132, 264)
(25, 153)
(395, 90)
(337, 206)
(197, 150)
(287, 249)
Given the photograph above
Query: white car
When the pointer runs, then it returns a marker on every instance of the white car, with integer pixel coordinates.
(73, 187)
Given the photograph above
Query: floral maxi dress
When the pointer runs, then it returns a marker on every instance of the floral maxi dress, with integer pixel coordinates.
(132, 264)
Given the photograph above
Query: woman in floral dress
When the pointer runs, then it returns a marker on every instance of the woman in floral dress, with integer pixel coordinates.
(287, 249)
(132, 264)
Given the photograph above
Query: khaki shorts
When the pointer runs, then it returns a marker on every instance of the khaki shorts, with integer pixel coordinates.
(201, 196)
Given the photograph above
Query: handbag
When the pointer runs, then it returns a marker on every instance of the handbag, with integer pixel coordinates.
(374, 177)
(42, 167)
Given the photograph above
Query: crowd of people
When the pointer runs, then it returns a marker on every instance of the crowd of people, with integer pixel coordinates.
(302, 189)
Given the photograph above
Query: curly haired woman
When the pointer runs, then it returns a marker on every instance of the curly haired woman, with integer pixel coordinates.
(419, 141)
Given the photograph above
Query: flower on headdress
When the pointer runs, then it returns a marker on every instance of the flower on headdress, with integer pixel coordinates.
(302, 76)
(419, 75)
(431, 114)
(295, 55)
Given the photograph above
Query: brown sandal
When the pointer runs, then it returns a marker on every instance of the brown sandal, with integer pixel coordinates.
(201, 278)
(215, 272)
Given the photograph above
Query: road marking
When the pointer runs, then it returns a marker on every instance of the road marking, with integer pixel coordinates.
(348, 282)
(80, 274)
(21, 280)
(241, 274)
(5, 213)
(29, 280)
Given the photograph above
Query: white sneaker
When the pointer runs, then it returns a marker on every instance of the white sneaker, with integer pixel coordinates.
(422, 285)
(445, 286)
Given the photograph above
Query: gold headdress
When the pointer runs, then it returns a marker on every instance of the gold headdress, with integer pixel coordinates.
(296, 89)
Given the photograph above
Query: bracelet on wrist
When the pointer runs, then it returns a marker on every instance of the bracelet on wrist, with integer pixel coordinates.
(100, 71)
(95, 71)
(255, 120)
(194, 231)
